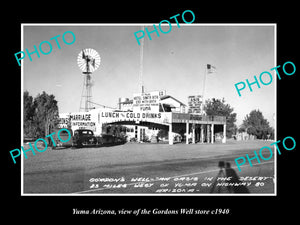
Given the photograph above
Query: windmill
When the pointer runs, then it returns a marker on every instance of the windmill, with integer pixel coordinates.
(88, 61)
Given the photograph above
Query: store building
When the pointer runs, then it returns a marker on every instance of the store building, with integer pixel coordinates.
(146, 114)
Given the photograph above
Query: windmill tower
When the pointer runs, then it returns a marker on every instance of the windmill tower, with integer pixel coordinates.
(88, 61)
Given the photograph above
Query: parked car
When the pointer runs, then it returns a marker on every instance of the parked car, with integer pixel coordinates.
(85, 137)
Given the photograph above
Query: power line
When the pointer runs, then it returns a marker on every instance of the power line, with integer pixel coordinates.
(104, 106)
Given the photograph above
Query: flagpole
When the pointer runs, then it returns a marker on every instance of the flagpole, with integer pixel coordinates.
(203, 90)
(141, 64)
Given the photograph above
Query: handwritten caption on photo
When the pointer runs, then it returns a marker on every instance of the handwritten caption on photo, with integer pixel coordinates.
(184, 184)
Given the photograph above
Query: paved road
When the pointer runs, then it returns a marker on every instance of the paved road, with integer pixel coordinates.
(148, 169)
(184, 177)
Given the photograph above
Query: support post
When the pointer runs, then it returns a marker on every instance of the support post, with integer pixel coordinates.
(100, 128)
(187, 133)
(202, 133)
(170, 134)
(208, 133)
(224, 133)
(193, 133)
(212, 133)
(138, 134)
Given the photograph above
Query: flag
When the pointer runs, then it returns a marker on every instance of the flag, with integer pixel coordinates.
(211, 69)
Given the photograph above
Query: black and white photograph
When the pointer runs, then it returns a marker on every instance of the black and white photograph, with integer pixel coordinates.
(149, 109)
(133, 112)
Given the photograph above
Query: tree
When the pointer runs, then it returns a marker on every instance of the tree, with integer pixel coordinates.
(257, 125)
(218, 107)
(40, 114)
(28, 110)
(46, 114)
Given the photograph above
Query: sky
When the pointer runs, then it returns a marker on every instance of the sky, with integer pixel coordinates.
(174, 62)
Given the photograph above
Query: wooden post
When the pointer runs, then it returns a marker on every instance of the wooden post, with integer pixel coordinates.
(212, 133)
(208, 133)
(224, 133)
(170, 135)
(193, 133)
(202, 133)
(187, 133)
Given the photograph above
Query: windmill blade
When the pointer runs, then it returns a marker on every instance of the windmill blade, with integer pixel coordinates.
(88, 59)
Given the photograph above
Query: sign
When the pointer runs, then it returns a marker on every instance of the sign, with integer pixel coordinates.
(79, 120)
(110, 117)
(147, 102)
(194, 103)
